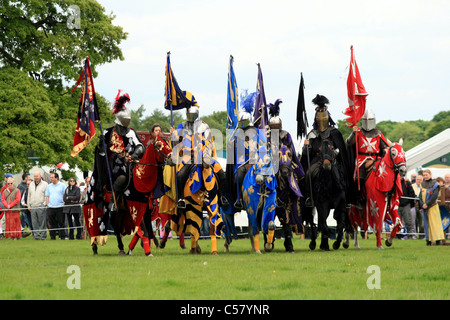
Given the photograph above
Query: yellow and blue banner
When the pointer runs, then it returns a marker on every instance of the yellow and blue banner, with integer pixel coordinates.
(175, 98)
(232, 98)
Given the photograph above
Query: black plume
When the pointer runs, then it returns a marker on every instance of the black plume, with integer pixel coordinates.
(120, 103)
(321, 102)
(274, 109)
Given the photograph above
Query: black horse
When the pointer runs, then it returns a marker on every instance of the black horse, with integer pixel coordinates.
(328, 192)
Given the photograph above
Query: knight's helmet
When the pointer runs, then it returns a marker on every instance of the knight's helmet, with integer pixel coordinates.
(322, 119)
(247, 106)
(274, 111)
(123, 114)
(192, 113)
(368, 121)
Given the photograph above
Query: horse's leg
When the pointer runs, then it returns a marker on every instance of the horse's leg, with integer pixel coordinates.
(346, 242)
(116, 220)
(310, 220)
(212, 234)
(288, 238)
(270, 217)
(250, 235)
(378, 234)
(182, 244)
(163, 242)
(322, 214)
(355, 240)
(94, 249)
(339, 216)
(195, 247)
(257, 248)
(397, 226)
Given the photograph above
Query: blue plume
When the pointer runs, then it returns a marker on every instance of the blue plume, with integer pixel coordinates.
(248, 100)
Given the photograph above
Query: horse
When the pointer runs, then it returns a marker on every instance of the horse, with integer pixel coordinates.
(383, 191)
(132, 204)
(200, 193)
(259, 192)
(288, 197)
(328, 192)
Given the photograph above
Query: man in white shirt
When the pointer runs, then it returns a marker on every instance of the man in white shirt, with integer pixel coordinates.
(36, 205)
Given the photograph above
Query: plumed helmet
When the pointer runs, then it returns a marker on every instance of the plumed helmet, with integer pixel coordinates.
(368, 121)
(247, 106)
(322, 118)
(274, 111)
(123, 114)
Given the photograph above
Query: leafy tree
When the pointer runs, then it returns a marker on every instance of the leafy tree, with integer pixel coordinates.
(436, 127)
(44, 38)
(412, 135)
(42, 47)
(36, 122)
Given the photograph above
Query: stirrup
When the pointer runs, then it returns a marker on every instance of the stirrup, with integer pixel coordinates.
(239, 205)
(181, 204)
(223, 201)
(112, 207)
(309, 203)
(279, 203)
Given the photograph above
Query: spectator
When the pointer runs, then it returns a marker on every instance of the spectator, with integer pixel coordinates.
(25, 217)
(404, 209)
(444, 196)
(84, 190)
(6, 176)
(447, 195)
(416, 213)
(55, 201)
(72, 208)
(11, 201)
(430, 210)
(3, 218)
(446, 188)
(36, 205)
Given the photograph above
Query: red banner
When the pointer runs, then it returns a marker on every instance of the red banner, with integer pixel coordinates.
(356, 94)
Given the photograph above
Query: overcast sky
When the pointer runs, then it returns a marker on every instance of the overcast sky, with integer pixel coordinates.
(402, 49)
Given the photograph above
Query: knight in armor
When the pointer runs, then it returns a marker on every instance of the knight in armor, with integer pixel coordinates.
(371, 145)
(123, 146)
(276, 125)
(243, 149)
(323, 128)
(194, 145)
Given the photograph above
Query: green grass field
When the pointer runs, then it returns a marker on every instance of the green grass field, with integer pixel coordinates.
(32, 269)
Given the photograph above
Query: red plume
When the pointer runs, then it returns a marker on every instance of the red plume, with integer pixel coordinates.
(121, 100)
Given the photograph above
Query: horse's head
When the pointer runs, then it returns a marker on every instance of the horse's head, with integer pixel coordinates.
(285, 156)
(328, 154)
(397, 156)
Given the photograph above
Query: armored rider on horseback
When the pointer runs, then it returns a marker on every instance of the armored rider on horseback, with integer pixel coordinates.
(323, 128)
(123, 147)
(371, 146)
(242, 149)
(195, 146)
